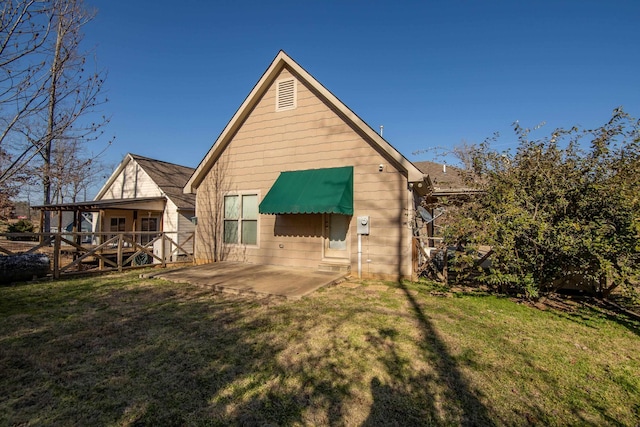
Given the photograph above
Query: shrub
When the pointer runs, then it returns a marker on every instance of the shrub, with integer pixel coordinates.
(22, 226)
(560, 209)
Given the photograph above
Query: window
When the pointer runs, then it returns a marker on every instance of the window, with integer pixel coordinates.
(241, 219)
(117, 225)
(285, 94)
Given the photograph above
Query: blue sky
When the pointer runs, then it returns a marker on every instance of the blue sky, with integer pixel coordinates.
(433, 73)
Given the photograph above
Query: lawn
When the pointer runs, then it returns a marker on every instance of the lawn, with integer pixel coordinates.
(119, 350)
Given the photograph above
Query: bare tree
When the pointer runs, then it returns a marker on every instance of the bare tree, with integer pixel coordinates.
(209, 242)
(7, 190)
(11, 188)
(72, 172)
(73, 92)
(25, 27)
(58, 94)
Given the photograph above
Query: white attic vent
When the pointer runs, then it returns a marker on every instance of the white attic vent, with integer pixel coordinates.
(285, 94)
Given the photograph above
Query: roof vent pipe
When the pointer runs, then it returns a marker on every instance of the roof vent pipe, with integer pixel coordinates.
(381, 129)
(444, 168)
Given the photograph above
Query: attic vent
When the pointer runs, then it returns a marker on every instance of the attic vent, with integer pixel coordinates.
(286, 94)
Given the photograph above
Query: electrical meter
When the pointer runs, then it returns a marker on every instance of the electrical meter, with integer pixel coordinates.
(363, 225)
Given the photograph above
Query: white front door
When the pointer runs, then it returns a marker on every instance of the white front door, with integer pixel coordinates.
(336, 231)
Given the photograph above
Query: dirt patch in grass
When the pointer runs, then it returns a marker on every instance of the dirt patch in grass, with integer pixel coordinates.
(119, 350)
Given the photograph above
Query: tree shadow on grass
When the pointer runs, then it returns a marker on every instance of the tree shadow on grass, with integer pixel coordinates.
(631, 321)
(145, 353)
(127, 356)
(409, 395)
(167, 354)
(460, 400)
(156, 354)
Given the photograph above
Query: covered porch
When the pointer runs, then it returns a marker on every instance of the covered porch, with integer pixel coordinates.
(142, 216)
(125, 232)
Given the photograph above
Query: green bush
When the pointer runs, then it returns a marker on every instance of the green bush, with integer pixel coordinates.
(22, 226)
(559, 210)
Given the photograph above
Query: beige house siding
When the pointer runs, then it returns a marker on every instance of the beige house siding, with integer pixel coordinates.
(107, 214)
(310, 136)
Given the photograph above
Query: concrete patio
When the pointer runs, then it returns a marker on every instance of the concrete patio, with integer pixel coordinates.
(252, 279)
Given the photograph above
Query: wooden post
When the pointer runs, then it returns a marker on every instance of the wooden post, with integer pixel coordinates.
(77, 225)
(119, 254)
(414, 258)
(100, 226)
(56, 255)
(41, 226)
(75, 236)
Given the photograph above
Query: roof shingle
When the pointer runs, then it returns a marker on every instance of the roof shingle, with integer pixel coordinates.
(171, 179)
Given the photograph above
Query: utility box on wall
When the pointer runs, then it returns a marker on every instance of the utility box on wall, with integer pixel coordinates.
(363, 225)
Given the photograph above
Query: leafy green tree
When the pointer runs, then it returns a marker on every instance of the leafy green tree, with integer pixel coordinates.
(564, 209)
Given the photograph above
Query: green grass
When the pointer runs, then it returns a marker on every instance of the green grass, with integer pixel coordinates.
(118, 350)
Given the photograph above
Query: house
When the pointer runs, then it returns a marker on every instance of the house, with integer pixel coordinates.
(67, 221)
(298, 179)
(445, 179)
(142, 196)
(145, 195)
(447, 183)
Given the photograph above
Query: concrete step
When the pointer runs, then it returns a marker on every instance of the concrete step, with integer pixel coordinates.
(338, 267)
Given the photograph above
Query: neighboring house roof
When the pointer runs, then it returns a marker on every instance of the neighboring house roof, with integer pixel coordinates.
(442, 175)
(169, 177)
(282, 60)
(445, 179)
(67, 220)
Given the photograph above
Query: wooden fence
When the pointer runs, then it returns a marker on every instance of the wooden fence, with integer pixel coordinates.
(73, 253)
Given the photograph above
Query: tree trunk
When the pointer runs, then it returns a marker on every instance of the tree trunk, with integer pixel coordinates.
(51, 124)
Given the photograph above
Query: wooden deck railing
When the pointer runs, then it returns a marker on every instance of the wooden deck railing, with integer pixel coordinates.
(73, 253)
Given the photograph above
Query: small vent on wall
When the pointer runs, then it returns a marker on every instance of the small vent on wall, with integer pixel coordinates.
(285, 94)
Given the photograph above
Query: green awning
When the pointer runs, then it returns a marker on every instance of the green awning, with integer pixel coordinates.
(311, 191)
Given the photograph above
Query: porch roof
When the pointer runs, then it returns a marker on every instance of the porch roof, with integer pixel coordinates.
(327, 190)
(146, 203)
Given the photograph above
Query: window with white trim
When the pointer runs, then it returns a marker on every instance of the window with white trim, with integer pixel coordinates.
(286, 94)
(241, 219)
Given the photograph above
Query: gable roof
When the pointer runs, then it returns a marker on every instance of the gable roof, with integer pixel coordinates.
(169, 177)
(281, 61)
(441, 177)
(444, 180)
